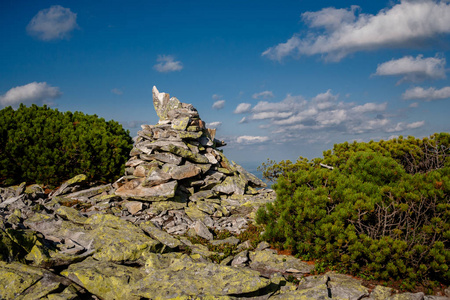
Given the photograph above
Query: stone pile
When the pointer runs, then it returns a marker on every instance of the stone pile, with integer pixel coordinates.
(178, 161)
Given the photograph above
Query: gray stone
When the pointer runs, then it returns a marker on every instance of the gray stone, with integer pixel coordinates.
(268, 262)
(262, 246)
(345, 287)
(407, 296)
(202, 231)
(160, 235)
(165, 157)
(133, 206)
(70, 185)
(381, 292)
(240, 259)
(231, 240)
(231, 184)
(134, 189)
(156, 177)
(163, 103)
(184, 171)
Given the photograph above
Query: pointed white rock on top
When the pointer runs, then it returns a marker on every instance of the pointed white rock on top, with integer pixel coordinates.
(161, 97)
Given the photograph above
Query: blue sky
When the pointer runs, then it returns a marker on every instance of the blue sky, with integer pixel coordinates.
(278, 79)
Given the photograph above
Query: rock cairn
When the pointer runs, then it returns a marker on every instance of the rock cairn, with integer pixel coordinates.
(178, 160)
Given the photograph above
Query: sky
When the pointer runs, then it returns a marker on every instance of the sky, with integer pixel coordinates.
(277, 79)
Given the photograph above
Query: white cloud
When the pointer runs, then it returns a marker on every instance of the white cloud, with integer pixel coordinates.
(35, 92)
(290, 103)
(53, 23)
(270, 115)
(427, 94)
(414, 69)
(116, 91)
(406, 24)
(218, 104)
(247, 139)
(294, 117)
(242, 108)
(263, 95)
(369, 107)
(167, 63)
(330, 18)
(216, 97)
(243, 120)
(213, 124)
(401, 126)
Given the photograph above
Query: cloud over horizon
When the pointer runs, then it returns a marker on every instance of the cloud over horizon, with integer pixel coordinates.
(248, 140)
(294, 117)
(214, 125)
(34, 92)
(427, 94)
(53, 23)
(336, 33)
(167, 63)
(414, 69)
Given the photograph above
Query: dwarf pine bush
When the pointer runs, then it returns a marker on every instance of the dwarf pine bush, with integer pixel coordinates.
(43, 145)
(383, 210)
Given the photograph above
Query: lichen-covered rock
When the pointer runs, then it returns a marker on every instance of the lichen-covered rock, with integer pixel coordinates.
(107, 280)
(198, 279)
(19, 281)
(345, 287)
(71, 185)
(231, 184)
(381, 292)
(267, 261)
(407, 296)
(163, 103)
(118, 240)
(160, 235)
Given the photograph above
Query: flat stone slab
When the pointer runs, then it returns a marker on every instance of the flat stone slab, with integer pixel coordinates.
(267, 261)
(134, 189)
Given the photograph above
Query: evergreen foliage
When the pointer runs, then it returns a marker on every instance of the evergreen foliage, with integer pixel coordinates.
(383, 210)
(42, 145)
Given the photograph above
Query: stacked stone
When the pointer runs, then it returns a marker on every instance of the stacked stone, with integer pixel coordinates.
(178, 160)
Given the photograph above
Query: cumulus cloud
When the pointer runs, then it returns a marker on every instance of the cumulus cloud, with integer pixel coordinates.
(214, 124)
(294, 117)
(53, 23)
(219, 104)
(263, 95)
(369, 107)
(116, 91)
(427, 94)
(242, 108)
(338, 32)
(414, 69)
(35, 92)
(167, 63)
(247, 139)
(404, 126)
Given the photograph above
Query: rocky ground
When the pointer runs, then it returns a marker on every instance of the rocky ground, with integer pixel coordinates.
(176, 226)
(89, 243)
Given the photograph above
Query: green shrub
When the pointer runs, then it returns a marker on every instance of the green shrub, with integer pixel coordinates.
(42, 145)
(377, 212)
